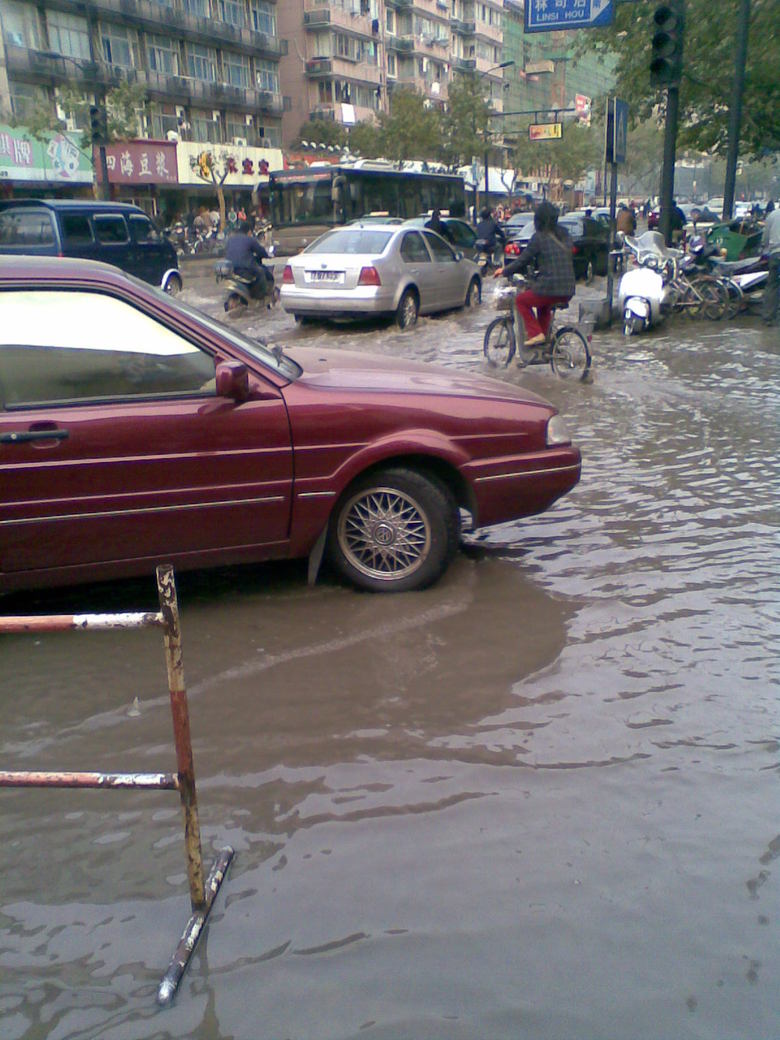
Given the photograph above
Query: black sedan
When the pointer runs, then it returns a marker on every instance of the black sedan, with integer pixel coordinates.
(590, 242)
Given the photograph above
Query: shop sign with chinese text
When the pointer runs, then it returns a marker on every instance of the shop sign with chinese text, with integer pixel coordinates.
(246, 165)
(53, 159)
(142, 162)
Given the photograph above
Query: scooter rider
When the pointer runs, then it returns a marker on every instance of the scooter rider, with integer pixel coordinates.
(244, 251)
(489, 232)
(550, 250)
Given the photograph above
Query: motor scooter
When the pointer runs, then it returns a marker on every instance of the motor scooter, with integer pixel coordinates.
(643, 298)
(243, 291)
(487, 257)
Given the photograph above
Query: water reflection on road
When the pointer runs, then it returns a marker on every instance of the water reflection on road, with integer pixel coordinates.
(537, 801)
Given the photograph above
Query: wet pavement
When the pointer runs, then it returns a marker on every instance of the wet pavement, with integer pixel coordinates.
(536, 801)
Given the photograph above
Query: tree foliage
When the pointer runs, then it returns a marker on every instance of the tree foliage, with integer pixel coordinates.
(567, 159)
(323, 132)
(409, 130)
(708, 70)
(466, 123)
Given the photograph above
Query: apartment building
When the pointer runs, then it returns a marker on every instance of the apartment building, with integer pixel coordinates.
(209, 68)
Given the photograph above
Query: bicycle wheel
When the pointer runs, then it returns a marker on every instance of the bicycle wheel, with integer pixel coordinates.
(736, 297)
(570, 354)
(714, 298)
(499, 343)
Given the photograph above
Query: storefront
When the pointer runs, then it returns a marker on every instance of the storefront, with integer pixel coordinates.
(52, 165)
(145, 173)
(244, 169)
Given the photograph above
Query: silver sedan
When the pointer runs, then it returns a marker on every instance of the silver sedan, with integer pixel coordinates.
(371, 269)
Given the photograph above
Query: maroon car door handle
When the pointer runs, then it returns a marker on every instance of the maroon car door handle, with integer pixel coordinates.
(18, 436)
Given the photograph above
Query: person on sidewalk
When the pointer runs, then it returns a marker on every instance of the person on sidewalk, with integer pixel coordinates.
(770, 246)
(552, 284)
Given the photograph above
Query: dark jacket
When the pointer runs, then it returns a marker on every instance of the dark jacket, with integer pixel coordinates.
(241, 249)
(553, 262)
(490, 232)
(439, 227)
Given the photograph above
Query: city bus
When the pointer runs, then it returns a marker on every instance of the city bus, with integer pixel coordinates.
(306, 202)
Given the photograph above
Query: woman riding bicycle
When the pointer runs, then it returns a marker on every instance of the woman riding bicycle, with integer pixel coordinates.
(550, 251)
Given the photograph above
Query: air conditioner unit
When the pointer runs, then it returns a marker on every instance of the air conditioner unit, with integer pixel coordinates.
(180, 112)
(248, 120)
(240, 141)
(215, 116)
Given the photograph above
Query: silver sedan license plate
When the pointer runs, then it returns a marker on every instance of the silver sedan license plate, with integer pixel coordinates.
(332, 277)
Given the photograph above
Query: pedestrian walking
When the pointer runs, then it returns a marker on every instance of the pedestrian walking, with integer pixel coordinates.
(770, 245)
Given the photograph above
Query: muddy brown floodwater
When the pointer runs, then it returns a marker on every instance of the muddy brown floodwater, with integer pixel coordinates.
(536, 802)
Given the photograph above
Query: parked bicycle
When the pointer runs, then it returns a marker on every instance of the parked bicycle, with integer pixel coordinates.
(565, 348)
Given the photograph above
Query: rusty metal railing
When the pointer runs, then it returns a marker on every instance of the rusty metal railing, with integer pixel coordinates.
(202, 893)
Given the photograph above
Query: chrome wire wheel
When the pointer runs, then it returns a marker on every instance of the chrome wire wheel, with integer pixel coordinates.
(384, 533)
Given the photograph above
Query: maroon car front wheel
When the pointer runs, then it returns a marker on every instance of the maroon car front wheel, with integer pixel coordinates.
(394, 530)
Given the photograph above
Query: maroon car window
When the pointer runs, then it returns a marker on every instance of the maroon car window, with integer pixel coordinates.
(110, 230)
(413, 249)
(63, 347)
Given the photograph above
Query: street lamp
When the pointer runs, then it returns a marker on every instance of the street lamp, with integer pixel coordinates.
(97, 118)
(481, 75)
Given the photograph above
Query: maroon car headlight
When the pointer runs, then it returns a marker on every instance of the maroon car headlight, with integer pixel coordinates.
(557, 432)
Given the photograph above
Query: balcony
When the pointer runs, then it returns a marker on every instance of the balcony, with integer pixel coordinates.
(457, 25)
(431, 46)
(332, 110)
(170, 19)
(464, 64)
(493, 33)
(400, 5)
(360, 72)
(402, 44)
(315, 16)
(43, 67)
(423, 85)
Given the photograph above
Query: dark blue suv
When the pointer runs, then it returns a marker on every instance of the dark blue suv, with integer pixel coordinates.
(114, 232)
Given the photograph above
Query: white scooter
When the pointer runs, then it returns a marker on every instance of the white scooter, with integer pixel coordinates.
(642, 294)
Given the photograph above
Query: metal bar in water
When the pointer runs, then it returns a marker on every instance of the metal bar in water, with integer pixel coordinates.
(110, 781)
(71, 622)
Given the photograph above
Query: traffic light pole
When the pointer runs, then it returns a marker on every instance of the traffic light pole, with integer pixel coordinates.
(735, 109)
(667, 176)
(104, 190)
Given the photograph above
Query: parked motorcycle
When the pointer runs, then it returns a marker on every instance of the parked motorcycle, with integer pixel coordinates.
(242, 291)
(643, 298)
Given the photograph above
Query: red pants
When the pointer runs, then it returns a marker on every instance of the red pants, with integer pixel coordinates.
(539, 323)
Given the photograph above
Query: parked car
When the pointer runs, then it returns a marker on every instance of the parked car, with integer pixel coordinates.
(113, 232)
(590, 244)
(135, 430)
(517, 223)
(363, 270)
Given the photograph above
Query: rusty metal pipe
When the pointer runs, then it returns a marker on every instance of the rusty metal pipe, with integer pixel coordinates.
(69, 622)
(115, 781)
(181, 733)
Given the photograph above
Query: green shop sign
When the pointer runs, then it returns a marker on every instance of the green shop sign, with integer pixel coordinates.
(56, 158)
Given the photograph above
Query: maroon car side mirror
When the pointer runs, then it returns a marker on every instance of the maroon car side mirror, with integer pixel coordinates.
(232, 379)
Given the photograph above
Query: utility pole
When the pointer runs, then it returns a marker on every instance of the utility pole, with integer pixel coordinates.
(735, 108)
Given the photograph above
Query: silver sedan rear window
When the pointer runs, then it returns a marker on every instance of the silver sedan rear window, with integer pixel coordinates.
(347, 241)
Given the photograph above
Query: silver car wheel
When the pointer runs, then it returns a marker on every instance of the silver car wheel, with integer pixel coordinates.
(384, 533)
(407, 310)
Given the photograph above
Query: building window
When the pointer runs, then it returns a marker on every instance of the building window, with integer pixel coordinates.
(164, 120)
(202, 63)
(200, 8)
(232, 12)
(26, 99)
(20, 26)
(117, 46)
(263, 17)
(269, 136)
(267, 75)
(69, 35)
(392, 68)
(163, 54)
(236, 69)
(206, 129)
(390, 21)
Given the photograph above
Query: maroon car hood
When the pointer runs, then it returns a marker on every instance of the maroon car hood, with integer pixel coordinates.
(347, 370)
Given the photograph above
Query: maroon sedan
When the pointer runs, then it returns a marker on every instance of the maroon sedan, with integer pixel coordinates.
(134, 430)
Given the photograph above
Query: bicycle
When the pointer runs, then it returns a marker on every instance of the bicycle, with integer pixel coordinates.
(565, 347)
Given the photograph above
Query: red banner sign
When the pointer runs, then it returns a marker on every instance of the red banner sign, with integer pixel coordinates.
(141, 162)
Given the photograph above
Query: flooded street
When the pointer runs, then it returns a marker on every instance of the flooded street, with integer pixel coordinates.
(538, 801)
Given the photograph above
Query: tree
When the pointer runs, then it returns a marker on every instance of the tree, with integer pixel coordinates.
(708, 67)
(409, 130)
(325, 132)
(124, 107)
(216, 168)
(365, 138)
(569, 158)
(466, 123)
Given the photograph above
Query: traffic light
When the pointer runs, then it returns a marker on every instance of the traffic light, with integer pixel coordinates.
(98, 126)
(666, 64)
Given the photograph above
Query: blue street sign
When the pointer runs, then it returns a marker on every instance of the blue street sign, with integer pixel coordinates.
(549, 15)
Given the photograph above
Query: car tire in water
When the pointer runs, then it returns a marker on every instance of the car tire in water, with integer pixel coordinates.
(173, 285)
(473, 294)
(570, 354)
(394, 530)
(408, 309)
(499, 343)
(234, 302)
